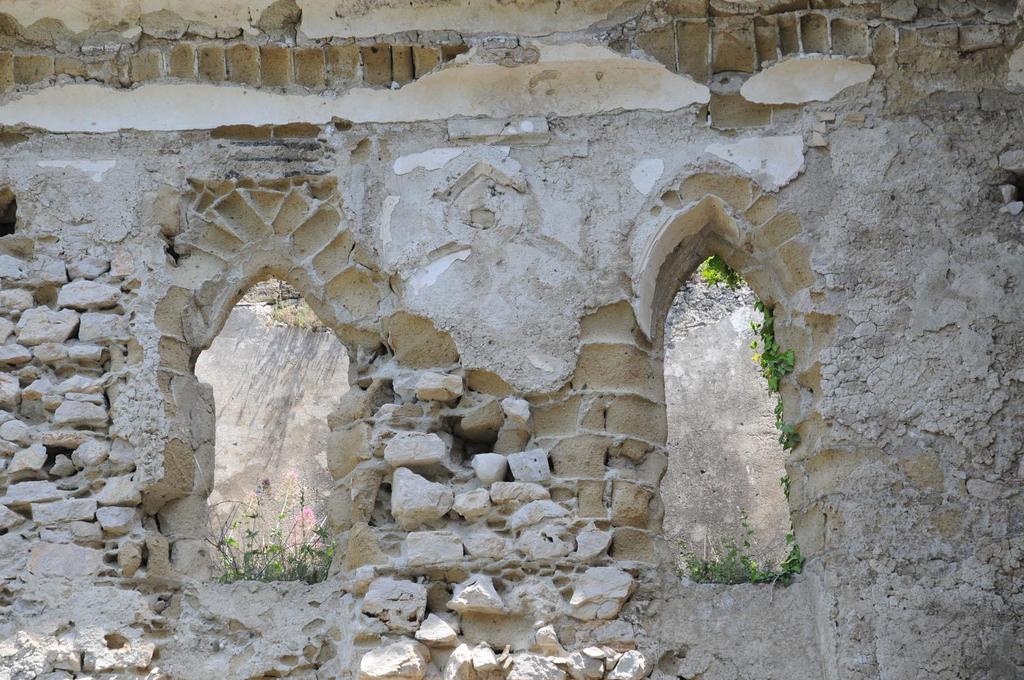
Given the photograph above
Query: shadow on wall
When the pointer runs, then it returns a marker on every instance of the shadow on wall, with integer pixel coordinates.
(725, 460)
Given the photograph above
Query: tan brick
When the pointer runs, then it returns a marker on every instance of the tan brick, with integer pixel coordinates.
(250, 132)
(275, 66)
(661, 44)
(777, 231)
(556, 418)
(590, 495)
(732, 47)
(613, 367)
(293, 130)
(735, 191)
(182, 62)
(346, 447)
(766, 39)
(630, 504)
(581, 456)
(343, 62)
(6, 71)
(789, 33)
(243, 62)
(401, 64)
(687, 8)
(796, 260)
(850, 37)
(636, 416)
(487, 382)
(147, 65)
(814, 32)
(310, 67)
(211, 63)
(32, 68)
(731, 111)
(377, 64)
(692, 44)
(69, 66)
(632, 545)
(763, 209)
(611, 323)
(425, 60)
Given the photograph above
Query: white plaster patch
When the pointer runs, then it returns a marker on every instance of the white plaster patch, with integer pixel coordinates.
(94, 169)
(385, 219)
(577, 80)
(431, 159)
(772, 162)
(428, 276)
(646, 174)
(805, 79)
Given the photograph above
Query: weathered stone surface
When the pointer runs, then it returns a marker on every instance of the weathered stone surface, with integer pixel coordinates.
(399, 604)
(438, 386)
(473, 504)
(599, 593)
(503, 493)
(116, 520)
(490, 467)
(64, 511)
(42, 324)
(415, 500)
(534, 667)
(432, 547)
(64, 560)
(10, 391)
(24, 493)
(402, 660)
(414, 449)
(530, 466)
(84, 294)
(437, 632)
(535, 511)
(476, 595)
(119, 491)
(80, 413)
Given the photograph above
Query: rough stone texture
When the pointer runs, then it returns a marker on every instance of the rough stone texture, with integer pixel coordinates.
(539, 262)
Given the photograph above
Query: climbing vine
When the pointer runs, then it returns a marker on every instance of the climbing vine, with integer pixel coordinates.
(775, 364)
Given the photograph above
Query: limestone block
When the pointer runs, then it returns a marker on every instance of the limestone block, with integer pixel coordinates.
(6, 329)
(76, 509)
(484, 659)
(402, 660)
(599, 593)
(10, 391)
(415, 449)
(614, 367)
(416, 500)
(517, 411)
(275, 66)
(97, 327)
(343, 62)
(417, 342)
(9, 518)
(16, 299)
(116, 520)
(477, 595)
(547, 643)
(582, 666)
(146, 65)
(377, 64)
(482, 422)
(362, 548)
(534, 667)
(534, 512)
(592, 543)
(732, 45)
(83, 294)
(543, 543)
(243, 64)
(42, 324)
(632, 544)
(182, 61)
(119, 491)
(134, 654)
(438, 386)
(530, 466)
(556, 418)
(32, 68)
(90, 453)
(80, 413)
(473, 504)
(511, 439)
(27, 462)
(517, 492)
(16, 431)
(399, 604)
(129, 557)
(432, 547)
(460, 664)
(62, 466)
(50, 352)
(85, 353)
(425, 60)
(485, 543)
(24, 493)
(661, 45)
(14, 355)
(346, 448)
(437, 632)
(632, 665)
(64, 560)
(310, 67)
(731, 111)
(581, 456)
(630, 504)
(489, 467)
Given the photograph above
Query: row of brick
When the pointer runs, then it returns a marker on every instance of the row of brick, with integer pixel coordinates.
(241, 63)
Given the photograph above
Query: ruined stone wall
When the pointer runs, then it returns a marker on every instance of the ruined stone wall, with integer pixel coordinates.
(497, 240)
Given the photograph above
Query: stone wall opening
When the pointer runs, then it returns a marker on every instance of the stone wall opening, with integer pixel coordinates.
(8, 212)
(724, 459)
(276, 373)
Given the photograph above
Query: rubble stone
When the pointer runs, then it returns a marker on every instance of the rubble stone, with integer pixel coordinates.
(415, 500)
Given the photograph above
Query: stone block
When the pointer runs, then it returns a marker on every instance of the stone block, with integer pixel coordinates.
(438, 386)
(543, 543)
(796, 263)
(814, 32)
(766, 39)
(614, 367)
(10, 392)
(423, 548)
(482, 421)
(342, 62)
(416, 500)
(473, 504)
(402, 660)
(398, 603)
(23, 494)
(638, 417)
(735, 191)
(15, 355)
(425, 60)
(415, 449)
(777, 231)
(32, 68)
(489, 467)
(362, 548)
(310, 67)
(732, 111)
(599, 593)
(438, 632)
(535, 512)
(83, 294)
(116, 520)
(556, 418)
(417, 343)
(590, 498)
(633, 545)
(6, 71)
(275, 66)
(41, 324)
(377, 64)
(147, 65)
(77, 509)
(402, 69)
(630, 504)
(27, 462)
(580, 456)
(661, 45)
(851, 37)
(182, 62)
(687, 8)
(243, 64)
(119, 491)
(64, 560)
(732, 45)
(476, 595)
(530, 466)
(518, 492)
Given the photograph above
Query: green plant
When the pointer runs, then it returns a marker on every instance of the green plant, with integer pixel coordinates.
(775, 364)
(730, 563)
(715, 270)
(296, 314)
(274, 535)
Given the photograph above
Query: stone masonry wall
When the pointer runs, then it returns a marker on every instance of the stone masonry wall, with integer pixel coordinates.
(497, 244)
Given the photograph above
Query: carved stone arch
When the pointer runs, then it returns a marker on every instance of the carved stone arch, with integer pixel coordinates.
(728, 216)
(238, 233)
